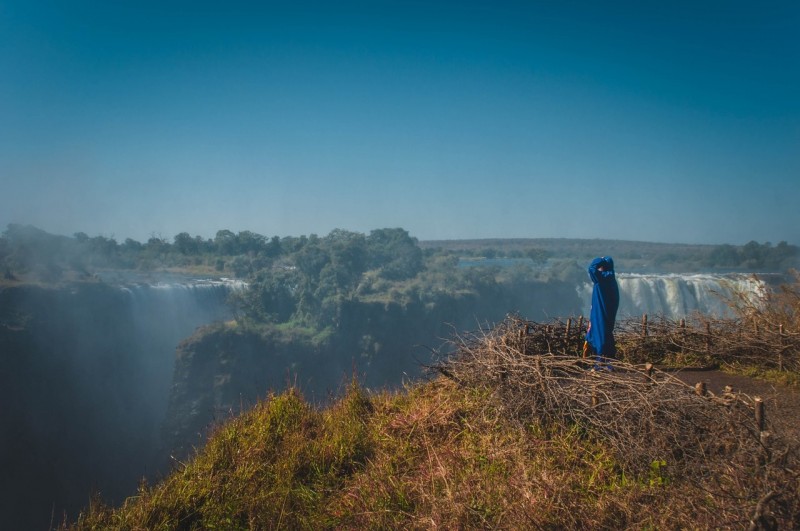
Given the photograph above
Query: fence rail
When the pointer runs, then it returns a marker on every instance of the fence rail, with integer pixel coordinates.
(703, 341)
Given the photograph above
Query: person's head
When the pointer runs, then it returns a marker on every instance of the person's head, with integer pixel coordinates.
(607, 264)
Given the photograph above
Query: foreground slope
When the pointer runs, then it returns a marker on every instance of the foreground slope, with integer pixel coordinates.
(435, 455)
(508, 436)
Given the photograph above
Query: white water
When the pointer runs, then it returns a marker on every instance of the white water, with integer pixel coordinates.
(677, 296)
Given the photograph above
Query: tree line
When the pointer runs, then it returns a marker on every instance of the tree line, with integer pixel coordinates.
(309, 279)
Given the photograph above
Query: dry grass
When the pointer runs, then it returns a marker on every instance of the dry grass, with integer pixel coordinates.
(653, 424)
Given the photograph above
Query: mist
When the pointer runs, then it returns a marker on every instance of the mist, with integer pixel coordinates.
(88, 378)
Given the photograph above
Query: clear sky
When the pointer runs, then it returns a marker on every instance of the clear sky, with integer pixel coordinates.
(658, 121)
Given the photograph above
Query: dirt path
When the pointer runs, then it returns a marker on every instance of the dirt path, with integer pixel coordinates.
(782, 403)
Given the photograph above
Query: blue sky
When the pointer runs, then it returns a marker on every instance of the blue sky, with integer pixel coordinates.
(670, 121)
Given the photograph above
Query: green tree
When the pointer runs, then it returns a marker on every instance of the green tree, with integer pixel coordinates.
(753, 255)
(185, 244)
(274, 248)
(724, 256)
(250, 242)
(241, 266)
(539, 256)
(394, 253)
(225, 242)
(274, 295)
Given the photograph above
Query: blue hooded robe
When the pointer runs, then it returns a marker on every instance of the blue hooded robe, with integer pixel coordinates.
(605, 301)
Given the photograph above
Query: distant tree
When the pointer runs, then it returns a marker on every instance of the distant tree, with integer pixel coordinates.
(4, 249)
(200, 246)
(131, 253)
(753, 255)
(155, 250)
(185, 244)
(292, 244)
(348, 256)
(482, 279)
(226, 242)
(250, 242)
(724, 256)
(273, 248)
(29, 247)
(311, 258)
(104, 252)
(783, 256)
(394, 253)
(539, 256)
(277, 294)
(132, 246)
(241, 266)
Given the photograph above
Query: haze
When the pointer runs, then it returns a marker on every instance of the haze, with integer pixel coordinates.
(675, 122)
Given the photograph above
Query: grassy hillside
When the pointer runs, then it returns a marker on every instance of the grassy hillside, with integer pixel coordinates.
(509, 435)
(436, 455)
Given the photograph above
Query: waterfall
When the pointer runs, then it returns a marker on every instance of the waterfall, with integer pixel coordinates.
(677, 296)
(182, 305)
(164, 313)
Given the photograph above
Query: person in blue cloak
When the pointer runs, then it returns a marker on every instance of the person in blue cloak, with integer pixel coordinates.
(605, 301)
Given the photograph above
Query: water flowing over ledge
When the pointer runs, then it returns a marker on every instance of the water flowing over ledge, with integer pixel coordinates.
(679, 295)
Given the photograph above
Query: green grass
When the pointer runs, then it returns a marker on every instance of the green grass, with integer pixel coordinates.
(432, 455)
(787, 378)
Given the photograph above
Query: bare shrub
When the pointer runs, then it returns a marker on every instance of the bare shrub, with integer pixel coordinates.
(659, 428)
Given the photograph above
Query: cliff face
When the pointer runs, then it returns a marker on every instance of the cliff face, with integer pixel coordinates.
(220, 370)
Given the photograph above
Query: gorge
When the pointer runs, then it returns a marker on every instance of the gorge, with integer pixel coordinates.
(97, 396)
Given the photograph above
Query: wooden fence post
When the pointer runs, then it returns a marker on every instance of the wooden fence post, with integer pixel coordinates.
(759, 409)
(648, 371)
(708, 338)
(566, 335)
(683, 337)
(540, 373)
(644, 325)
(781, 347)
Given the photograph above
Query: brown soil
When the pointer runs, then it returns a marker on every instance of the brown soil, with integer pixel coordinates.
(781, 403)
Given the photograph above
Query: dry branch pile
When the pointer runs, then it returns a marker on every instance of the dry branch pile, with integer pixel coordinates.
(657, 426)
(709, 341)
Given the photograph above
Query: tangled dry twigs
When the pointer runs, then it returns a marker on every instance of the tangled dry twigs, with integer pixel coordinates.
(709, 341)
(654, 423)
